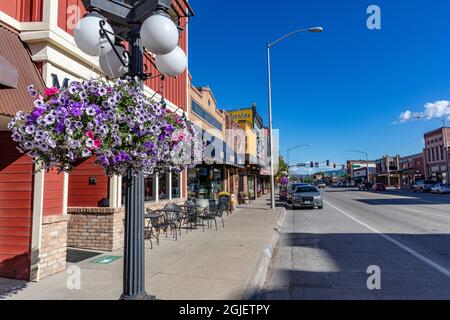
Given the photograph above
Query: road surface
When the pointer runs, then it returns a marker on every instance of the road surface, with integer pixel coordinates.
(395, 243)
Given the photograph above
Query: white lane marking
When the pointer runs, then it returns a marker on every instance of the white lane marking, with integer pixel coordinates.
(412, 252)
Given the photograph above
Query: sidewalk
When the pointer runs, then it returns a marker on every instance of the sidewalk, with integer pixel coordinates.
(200, 265)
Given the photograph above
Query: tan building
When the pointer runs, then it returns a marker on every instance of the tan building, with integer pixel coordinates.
(218, 172)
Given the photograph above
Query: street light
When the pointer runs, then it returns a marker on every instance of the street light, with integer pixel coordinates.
(293, 148)
(99, 33)
(443, 119)
(269, 46)
(367, 161)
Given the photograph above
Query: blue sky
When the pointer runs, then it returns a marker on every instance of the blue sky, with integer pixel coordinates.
(337, 90)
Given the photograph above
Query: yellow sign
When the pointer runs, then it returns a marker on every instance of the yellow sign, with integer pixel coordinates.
(243, 117)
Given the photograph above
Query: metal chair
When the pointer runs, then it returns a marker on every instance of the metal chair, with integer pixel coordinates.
(207, 214)
(153, 223)
(219, 213)
(173, 207)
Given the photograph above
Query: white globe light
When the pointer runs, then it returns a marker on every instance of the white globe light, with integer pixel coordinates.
(173, 63)
(111, 64)
(87, 36)
(159, 34)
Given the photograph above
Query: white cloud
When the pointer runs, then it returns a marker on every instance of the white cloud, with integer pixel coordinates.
(405, 116)
(438, 109)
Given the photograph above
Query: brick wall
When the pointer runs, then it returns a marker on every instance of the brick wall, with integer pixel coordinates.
(162, 203)
(96, 228)
(52, 254)
(101, 228)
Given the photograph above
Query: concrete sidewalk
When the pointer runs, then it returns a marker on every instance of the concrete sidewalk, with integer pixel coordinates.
(222, 264)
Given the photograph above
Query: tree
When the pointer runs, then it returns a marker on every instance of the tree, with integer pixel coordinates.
(282, 171)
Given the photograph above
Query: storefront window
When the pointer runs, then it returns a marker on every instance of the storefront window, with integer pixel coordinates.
(241, 183)
(175, 185)
(163, 186)
(192, 183)
(149, 192)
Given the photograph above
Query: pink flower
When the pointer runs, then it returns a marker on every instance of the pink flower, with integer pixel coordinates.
(181, 136)
(97, 143)
(51, 91)
(175, 137)
(90, 134)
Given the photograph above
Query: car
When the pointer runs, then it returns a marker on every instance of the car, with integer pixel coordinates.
(291, 190)
(307, 196)
(379, 187)
(423, 186)
(365, 186)
(321, 185)
(441, 188)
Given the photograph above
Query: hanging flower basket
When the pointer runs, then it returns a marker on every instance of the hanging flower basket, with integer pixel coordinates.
(113, 121)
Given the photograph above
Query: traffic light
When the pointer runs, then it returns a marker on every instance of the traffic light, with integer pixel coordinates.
(312, 164)
(328, 163)
(334, 165)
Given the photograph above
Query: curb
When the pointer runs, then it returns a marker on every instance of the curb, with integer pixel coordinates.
(258, 276)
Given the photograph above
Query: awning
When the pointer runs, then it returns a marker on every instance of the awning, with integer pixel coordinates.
(15, 59)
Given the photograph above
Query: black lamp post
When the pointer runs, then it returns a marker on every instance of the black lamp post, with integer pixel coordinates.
(125, 18)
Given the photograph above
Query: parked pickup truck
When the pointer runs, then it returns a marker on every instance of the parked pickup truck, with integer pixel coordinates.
(423, 186)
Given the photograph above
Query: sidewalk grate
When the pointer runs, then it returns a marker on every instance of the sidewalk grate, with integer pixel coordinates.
(75, 255)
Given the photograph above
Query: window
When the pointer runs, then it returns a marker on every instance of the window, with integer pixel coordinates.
(305, 189)
(205, 115)
(442, 152)
(175, 185)
(149, 189)
(162, 186)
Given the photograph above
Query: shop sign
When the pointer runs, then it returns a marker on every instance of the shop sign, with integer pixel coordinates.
(243, 117)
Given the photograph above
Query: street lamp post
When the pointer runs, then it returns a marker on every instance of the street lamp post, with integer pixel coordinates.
(293, 148)
(367, 162)
(269, 89)
(447, 167)
(99, 33)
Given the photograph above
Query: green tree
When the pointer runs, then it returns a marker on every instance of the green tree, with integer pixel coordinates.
(282, 170)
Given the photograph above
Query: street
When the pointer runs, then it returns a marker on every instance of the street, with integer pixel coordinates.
(326, 254)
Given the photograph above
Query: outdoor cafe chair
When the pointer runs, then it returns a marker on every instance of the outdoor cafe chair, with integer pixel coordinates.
(189, 215)
(179, 214)
(173, 219)
(218, 212)
(207, 214)
(153, 223)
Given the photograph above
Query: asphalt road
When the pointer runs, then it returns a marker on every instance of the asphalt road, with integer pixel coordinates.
(396, 243)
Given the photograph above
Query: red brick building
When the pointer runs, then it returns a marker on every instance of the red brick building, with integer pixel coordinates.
(437, 154)
(412, 168)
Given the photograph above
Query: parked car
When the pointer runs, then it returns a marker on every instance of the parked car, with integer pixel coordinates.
(307, 196)
(441, 188)
(423, 186)
(365, 186)
(321, 185)
(378, 187)
(291, 190)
